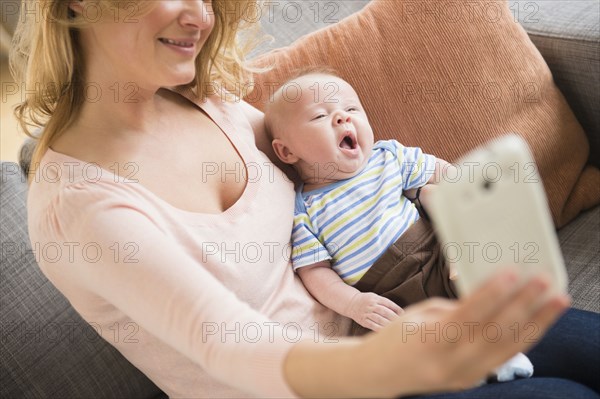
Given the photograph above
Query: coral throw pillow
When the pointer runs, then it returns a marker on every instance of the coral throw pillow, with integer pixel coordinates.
(448, 76)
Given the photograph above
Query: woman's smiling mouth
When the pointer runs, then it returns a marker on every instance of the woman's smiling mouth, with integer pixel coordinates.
(177, 43)
(182, 46)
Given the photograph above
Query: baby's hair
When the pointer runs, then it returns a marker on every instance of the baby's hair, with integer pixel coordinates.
(297, 73)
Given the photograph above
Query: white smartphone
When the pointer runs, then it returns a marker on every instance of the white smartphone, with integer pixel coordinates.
(493, 213)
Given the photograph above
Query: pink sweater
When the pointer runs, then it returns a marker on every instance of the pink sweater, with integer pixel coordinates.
(205, 305)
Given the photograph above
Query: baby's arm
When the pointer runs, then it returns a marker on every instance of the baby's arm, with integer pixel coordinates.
(366, 308)
(442, 168)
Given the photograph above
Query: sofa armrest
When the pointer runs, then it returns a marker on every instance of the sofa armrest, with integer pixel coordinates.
(567, 34)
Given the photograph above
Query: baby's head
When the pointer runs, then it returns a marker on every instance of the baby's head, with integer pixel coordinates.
(317, 124)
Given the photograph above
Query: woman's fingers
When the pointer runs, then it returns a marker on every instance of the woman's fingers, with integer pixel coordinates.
(529, 306)
(520, 321)
(545, 316)
(486, 301)
(460, 342)
(522, 306)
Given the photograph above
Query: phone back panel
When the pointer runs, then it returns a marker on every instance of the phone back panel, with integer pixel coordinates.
(494, 213)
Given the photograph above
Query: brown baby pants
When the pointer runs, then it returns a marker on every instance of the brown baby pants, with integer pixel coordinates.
(411, 270)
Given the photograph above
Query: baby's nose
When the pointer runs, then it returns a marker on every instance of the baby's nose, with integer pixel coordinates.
(342, 118)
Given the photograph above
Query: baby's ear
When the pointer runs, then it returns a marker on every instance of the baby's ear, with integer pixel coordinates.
(283, 152)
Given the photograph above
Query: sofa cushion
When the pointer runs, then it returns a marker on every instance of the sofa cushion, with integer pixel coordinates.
(448, 82)
(567, 34)
(47, 349)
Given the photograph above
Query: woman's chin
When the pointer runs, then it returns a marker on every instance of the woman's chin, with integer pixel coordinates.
(183, 80)
(181, 77)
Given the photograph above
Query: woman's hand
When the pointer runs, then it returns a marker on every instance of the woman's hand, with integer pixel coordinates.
(436, 345)
(442, 345)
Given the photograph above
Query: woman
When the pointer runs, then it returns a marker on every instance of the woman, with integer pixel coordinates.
(174, 227)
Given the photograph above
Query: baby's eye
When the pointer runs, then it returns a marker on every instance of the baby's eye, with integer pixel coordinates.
(319, 116)
(352, 109)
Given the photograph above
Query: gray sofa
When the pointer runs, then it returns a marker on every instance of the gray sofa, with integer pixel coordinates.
(47, 350)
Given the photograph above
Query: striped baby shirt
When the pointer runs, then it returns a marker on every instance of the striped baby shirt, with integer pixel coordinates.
(352, 222)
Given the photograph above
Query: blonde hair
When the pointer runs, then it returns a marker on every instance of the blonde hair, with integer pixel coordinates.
(46, 55)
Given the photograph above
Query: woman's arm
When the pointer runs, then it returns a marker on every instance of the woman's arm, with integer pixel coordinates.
(436, 345)
(140, 270)
(366, 308)
(257, 121)
(158, 289)
(263, 142)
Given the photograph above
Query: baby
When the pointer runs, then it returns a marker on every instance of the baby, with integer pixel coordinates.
(359, 243)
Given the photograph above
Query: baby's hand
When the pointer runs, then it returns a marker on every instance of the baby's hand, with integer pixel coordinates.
(372, 311)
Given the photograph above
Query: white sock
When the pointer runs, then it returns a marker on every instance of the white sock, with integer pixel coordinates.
(518, 366)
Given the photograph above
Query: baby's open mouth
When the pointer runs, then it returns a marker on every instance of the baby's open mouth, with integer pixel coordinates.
(348, 142)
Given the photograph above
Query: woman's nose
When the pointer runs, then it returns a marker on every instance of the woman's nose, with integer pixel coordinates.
(197, 14)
